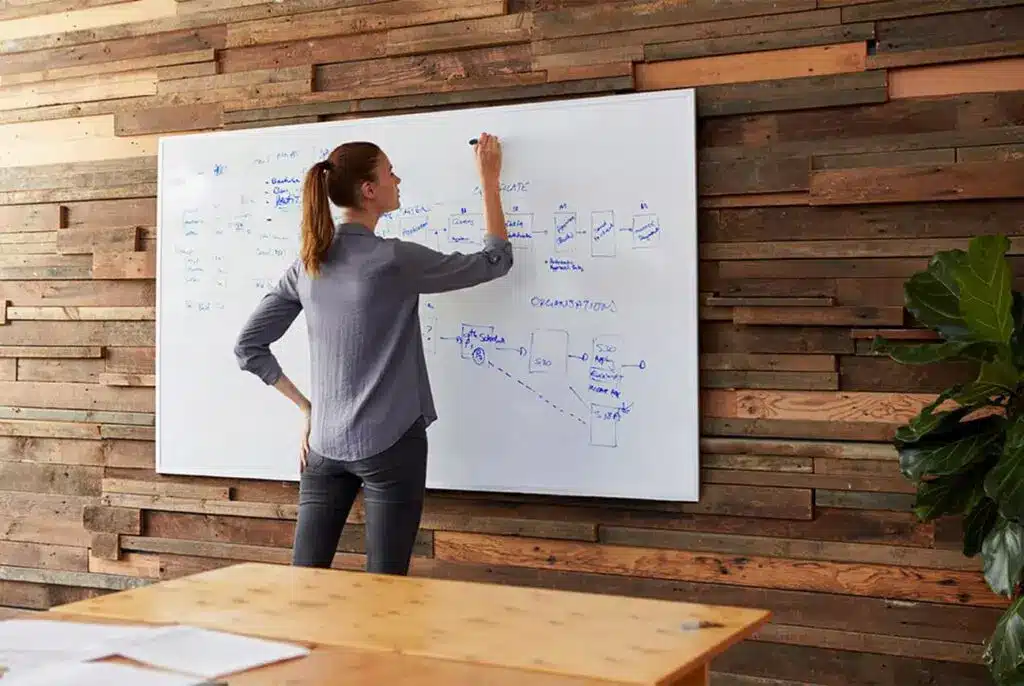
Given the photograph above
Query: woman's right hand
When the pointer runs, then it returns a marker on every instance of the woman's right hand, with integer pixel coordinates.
(488, 158)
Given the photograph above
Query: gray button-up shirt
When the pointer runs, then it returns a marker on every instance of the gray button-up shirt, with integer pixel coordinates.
(368, 370)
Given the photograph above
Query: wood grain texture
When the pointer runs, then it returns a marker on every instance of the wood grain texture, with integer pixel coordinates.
(841, 144)
(966, 180)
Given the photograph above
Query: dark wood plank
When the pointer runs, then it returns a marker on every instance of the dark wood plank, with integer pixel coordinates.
(588, 19)
(775, 40)
(967, 180)
(808, 92)
(894, 9)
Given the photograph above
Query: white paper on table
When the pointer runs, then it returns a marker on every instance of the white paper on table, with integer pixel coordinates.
(48, 634)
(205, 652)
(96, 674)
(30, 643)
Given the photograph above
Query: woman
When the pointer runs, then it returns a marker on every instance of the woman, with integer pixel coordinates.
(371, 400)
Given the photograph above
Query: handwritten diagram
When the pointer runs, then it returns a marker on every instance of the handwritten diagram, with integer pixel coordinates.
(589, 385)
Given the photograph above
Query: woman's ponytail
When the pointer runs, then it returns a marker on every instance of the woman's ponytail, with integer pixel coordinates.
(317, 223)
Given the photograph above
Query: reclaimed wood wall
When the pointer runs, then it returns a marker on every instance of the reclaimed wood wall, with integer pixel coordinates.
(842, 142)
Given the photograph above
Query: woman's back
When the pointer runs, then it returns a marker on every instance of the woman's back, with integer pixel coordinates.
(368, 371)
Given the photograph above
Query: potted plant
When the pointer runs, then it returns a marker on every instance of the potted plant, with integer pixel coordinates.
(965, 450)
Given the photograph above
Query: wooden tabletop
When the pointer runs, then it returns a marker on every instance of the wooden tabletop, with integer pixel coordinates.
(615, 638)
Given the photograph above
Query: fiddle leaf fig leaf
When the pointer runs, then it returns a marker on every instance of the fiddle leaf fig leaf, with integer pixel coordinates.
(1003, 556)
(971, 443)
(984, 280)
(1004, 651)
(977, 525)
(933, 296)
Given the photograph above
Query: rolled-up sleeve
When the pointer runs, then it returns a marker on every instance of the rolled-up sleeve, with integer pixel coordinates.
(267, 324)
(430, 271)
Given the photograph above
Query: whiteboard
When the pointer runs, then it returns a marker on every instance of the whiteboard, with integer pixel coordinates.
(575, 374)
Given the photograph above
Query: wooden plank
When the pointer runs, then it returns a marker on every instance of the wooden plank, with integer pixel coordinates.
(151, 62)
(763, 174)
(888, 408)
(75, 480)
(755, 66)
(954, 587)
(88, 240)
(894, 9)
(173, 490)
(816, 269)
(758, 463)
(797, 549)
(112, 173)
(461, 34)
(990, 152)
(760, 42)
(984, 76)
(65, 415)
(124, 265)
(836, 450)
(358, 19)
(115, 520)
(848, 640)
(800, 93)
(35, 218)
(398, 75)
(950, 29)
(82, 89)
(168, 119)
(884, 374)
(167, 504)
(131, 360)
(899, 125)
(43, 556)
(891, 483)
(68, 578)
(222, 82)
(595, 19)
(914, 184)
(777, 363)
(323, 50)
(727, 338)
(809, 381)
(8, 370)
(838, 249)
(123, 379)
(81, 293)
(124, 314)
(10, 9)
(84, 138)
(944, 55)
(106, 546)
(818, 316)
(82, 396)
(885, 159)
(909, 222)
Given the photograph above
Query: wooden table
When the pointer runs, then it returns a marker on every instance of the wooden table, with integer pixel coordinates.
(438, 631)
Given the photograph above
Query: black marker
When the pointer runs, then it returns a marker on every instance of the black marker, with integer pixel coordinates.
(473, 141)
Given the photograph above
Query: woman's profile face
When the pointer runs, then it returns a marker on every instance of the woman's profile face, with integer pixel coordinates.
(386, 196)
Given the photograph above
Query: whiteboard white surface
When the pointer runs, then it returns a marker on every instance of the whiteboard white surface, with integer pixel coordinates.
(576, 374)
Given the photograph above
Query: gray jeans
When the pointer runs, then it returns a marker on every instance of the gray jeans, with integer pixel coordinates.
(393, 483)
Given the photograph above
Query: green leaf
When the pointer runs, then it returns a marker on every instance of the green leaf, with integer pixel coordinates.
(978, 523)
(946, 495)
(1005, 482)
(971, 442)
(986, 297)
(1017, 339)
(933, 296)
(1004, 653)
(996, 378)
(1003, 556)
(918, 353)
(928, 423)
